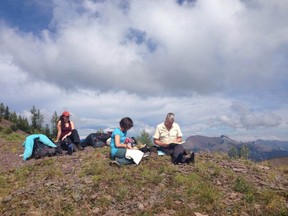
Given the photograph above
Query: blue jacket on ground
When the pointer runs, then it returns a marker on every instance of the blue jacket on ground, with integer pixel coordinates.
(29, 143)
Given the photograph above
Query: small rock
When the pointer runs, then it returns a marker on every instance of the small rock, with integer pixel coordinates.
(263, 167)
(239, 170)
(199, 214)
(233, 195)
(218, 182)
(141, 206)
(7, 199)
(95, 210)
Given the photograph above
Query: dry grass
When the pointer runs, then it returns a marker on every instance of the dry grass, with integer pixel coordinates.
(85, 184)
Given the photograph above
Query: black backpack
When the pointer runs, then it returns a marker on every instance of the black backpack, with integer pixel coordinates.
(97, 140)
(41, 150)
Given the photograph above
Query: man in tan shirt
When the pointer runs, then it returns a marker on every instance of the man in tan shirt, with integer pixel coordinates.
(168, 137)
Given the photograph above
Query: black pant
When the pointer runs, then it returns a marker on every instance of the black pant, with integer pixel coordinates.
(74, 137)
(173, 150)
(70, 140)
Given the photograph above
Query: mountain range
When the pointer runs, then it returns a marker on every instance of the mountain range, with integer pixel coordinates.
(259, 150)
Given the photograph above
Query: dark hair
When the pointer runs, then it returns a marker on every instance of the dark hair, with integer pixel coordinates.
(126, 123)
(61, 119)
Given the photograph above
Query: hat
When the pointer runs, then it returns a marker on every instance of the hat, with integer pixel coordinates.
(66, 113)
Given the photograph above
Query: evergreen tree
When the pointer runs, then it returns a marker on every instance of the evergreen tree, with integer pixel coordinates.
(23, 124)
(101, 131)
(244, 151)
(13, 117)
(7, 113)
(233, 152)
(145, 138)
(14, 127)
(37, 119)
(47, 131)
(2, 110)
(54, 121)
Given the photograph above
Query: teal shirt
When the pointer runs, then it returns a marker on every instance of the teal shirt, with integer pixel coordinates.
(113, 148)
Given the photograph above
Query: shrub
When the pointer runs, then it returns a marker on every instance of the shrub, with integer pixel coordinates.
(8, 130)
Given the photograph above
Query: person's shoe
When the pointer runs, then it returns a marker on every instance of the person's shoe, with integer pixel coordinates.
(146, 154)
(70, 149)
(178, 159)
(66, 141)
(115, 163)
(191, 159)
(74, 147)
(80, 147)
(187, 152)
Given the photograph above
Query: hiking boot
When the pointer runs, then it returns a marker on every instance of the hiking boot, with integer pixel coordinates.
(191, 159)
(178, 159)
(70, 149)
(65, 141)
(74, 147)
(80, 147)
(146, 154)
(187, 151)
(115, 163)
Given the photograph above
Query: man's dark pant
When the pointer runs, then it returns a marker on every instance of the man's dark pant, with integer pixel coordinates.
(173, 150)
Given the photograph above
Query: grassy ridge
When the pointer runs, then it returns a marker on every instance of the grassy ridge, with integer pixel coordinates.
(85, 184)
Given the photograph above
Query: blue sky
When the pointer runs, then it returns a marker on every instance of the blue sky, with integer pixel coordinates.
(27, 15)
(220, 66)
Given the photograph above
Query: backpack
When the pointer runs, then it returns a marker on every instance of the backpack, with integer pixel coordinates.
(97, 140)
(41, 150)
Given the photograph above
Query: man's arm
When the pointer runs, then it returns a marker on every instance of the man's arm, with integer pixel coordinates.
(159, 143)
(178, 140)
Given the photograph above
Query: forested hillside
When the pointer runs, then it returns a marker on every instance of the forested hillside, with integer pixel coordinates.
(34, 123)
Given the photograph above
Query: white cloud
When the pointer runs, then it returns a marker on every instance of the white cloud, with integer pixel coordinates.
(104, 60)
(225, 40)
(250, 119)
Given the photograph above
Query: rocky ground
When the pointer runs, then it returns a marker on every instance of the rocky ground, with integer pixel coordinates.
(10, 160)
(85, 184)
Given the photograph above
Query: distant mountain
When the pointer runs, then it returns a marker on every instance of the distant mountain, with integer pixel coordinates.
(210, 144)
(269, 145)
(267, 149)
(259, 150)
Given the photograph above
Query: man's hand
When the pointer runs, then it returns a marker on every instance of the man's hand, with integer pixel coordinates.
(158, 142)
(165, 145)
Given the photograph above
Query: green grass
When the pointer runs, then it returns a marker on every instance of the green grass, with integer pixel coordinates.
(85, 184)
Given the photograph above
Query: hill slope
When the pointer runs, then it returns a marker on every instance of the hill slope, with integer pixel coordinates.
(85, 184)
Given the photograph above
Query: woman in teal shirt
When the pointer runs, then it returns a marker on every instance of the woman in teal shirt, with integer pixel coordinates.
(117, 146)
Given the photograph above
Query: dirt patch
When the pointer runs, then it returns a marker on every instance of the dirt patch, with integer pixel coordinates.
(11, 155)
(10, 160)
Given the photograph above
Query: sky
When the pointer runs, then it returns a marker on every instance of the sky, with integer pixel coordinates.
(220, 66)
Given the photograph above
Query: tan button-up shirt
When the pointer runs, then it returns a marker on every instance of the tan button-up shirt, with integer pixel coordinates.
(166, 136)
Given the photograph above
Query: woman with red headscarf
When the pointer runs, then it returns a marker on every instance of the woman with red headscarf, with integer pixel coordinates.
(67, 134)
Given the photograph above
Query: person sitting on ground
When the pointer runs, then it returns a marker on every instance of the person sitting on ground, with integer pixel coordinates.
(168, 137)
(67, 134)
(96, 140)
(119, 150)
